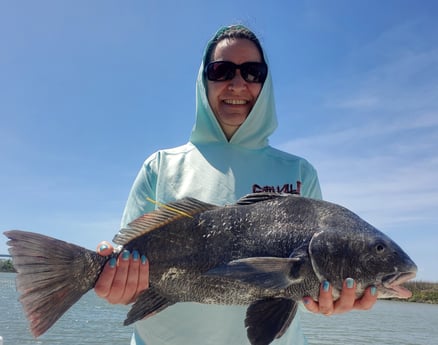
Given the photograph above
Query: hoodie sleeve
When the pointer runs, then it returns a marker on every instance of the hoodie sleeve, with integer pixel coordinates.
(311, 187)
(142, 192)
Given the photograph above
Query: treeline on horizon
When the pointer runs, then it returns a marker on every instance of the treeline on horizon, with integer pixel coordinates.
(6, 266)
(422, 291)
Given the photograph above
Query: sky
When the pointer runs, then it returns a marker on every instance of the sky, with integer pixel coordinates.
(89, 89)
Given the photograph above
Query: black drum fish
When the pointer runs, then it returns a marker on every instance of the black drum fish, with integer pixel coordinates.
(266, 251)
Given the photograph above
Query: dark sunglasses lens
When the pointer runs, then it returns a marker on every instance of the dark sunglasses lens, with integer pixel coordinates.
(222, 70)
(254, 72)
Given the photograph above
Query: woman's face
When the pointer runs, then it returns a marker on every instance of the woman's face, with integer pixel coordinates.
(232, 100)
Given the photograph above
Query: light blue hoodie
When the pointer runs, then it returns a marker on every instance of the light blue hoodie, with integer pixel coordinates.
(215, 170)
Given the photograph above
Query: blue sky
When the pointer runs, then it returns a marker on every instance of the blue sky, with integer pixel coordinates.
(88, 89)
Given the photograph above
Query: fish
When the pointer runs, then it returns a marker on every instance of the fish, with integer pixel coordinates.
(267, 251)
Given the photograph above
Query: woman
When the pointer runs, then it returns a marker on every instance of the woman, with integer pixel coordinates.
(226, 157)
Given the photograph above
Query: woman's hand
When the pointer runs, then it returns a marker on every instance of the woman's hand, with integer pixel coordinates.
(346, 302)
(124, 277)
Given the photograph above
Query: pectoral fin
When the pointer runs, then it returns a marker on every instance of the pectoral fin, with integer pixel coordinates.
(264, 272)
(269, 319)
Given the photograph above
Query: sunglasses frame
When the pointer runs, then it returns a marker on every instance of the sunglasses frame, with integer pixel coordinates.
(231, 71)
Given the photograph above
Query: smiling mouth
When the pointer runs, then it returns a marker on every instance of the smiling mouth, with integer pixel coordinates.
(235, 101)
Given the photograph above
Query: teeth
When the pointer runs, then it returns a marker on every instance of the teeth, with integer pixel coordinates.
(235, 101)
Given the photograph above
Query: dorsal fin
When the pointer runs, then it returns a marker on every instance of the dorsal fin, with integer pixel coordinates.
(257, 197)
(167, 213)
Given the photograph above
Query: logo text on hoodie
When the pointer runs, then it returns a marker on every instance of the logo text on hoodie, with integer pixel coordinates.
(288, 188)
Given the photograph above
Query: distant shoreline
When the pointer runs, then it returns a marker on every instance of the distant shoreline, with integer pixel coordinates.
(6, 266)
(422, 291)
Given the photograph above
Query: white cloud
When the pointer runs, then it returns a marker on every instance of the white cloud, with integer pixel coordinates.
(395, 72)
(391, 183)
(378, 154)
(360, 164)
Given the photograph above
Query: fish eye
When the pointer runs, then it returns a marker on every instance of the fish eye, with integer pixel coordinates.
(380, 248)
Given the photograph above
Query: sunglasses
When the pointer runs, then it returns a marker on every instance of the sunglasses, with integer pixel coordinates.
(251, 72)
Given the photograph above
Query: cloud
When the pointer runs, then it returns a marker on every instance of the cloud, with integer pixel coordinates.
(387, 174)
(397, 71)
(378, 152)
(361, 164)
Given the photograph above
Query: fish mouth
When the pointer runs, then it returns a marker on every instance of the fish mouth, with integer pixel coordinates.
(391, 285)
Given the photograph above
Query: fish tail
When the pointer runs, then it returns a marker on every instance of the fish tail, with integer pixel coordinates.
(52, 275)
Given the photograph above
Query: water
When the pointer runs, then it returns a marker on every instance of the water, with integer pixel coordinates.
(93, 321)
(90, 321)
(387, 323)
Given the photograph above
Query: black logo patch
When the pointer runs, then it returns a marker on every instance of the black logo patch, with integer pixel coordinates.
(287, 188)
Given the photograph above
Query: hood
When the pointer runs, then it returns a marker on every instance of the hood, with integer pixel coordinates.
(252, 134)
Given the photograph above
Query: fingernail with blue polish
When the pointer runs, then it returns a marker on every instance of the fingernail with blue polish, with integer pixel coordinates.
(325, 285)
(373, 290)
(103, 247)
(143, 259)
(135, 255)
(125, 255)
(306, 300)
(113, 262)
(349, 282)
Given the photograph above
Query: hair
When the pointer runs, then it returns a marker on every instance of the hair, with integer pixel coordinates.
(232, 32)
